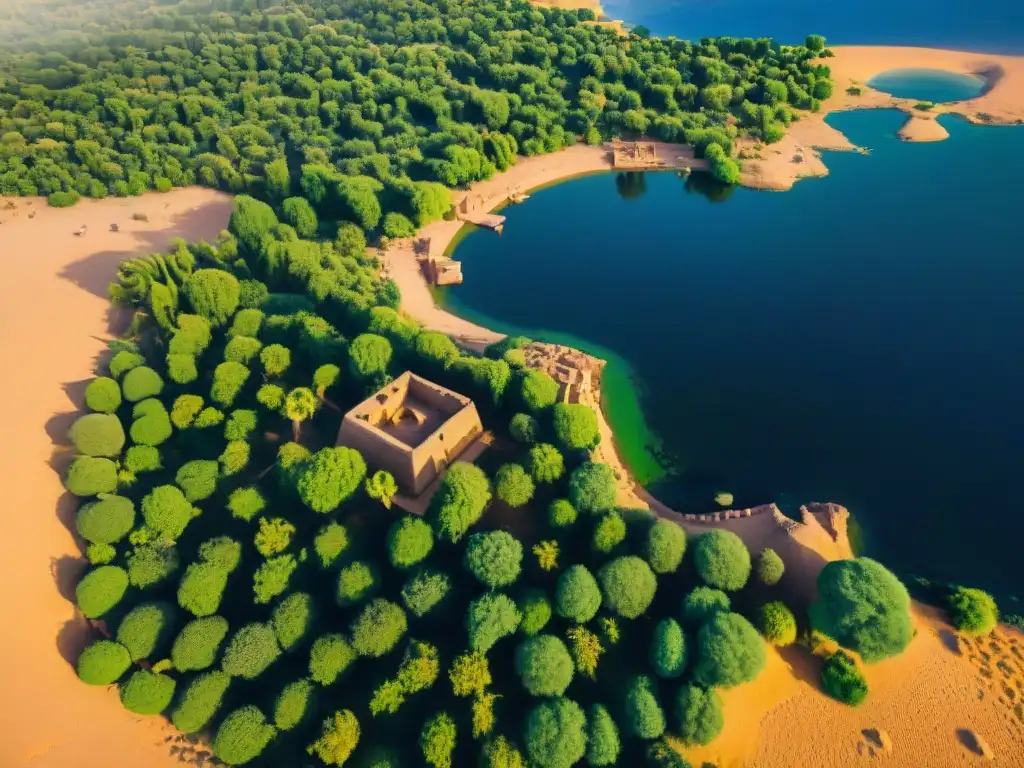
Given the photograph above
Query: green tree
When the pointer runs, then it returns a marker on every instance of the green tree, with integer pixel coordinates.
(627, 586)
(213, 295)
(576, 426)
(592, 488)
(459, 502)
(357, 581)
(494, 558)
(97, 434)
(513, 485)
(577, 596)
(722, 560)
(665, 546)
(469, 674)
(545, 463)
(105, 521)
(378, 628)
(339, 736)
(535, 608)
(644, 717)
(329, 657)
(698, 715)
(437, 740)
(330, 542)
(561, 513)
(777, 623)
(294, 704)
(100, 590)
(200, 701)
(242, 736)
(668, 649)
(609, 532)
(544, 665)
(425, 591)
(381, 486)
(330, 477)
(300, 214)
(538, 391)
(147, 629)
(769, 567)
(299, 405)
(490, 618)
(843, 680)
(729, 652)
(864, 607)
(703, 603)
(141, 382)
(603, 737)
(251, 650)
(103, 662)
(369, 356)
(90, 476)
(103, 395)
(147, 693)
(409, 541)
(556, 734)
(524, 428)
(292, 618)
(973, 611)
(197, 644)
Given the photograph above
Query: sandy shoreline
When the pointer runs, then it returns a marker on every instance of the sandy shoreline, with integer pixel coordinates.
(54, 321)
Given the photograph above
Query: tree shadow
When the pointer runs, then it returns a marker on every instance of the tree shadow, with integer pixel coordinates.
(66, 571)
(971, 741)
(72, 639)
(950, 641)
(803, 664)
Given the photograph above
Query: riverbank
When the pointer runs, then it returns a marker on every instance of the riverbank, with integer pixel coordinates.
(798, 155)
(55, 320)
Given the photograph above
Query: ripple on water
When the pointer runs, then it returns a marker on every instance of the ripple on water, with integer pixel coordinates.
(934, 85)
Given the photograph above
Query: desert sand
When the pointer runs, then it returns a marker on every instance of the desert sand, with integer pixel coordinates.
(798, 155)
(55, 320)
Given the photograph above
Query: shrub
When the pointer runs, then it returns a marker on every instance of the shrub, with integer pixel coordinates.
(545, 463)
(90, 476)
(274, 536)
(147, 630)
(97, 434)
(644, 718)
(469, 675)
(246, 503)
(242, 736)
(490, 618)
(63, 199)
(123, 362)
(293, 704)
(141, 382)
(105, 521)
(729, 652)
(166, 509)
(524, 428)
(410, 539)
(329, 477)
(494, 558)
(499, 753)
(339, 735)
(251, 295)
(272, 577)
(437, 740)
(378, 628)
(561, 513)
(192, 336)
(703, 603)
(275, 359)
(142, 458)
(100, 554)
(770, 567)
(185, 410)
(200, 701)
(240, 425)
(103, 395)
(250, 651)
(437, 349)
(247, 322)
(668, 649)
(369, 355)
(592, 488)
(722, 560)
(100, 590)
(228, 380)
(627, 586)
(396, 225)
(208, 417)
(459, 502)
(972, 611)
(152, 428)
(576, 426)
(103, 662)
(425, 591)
(242, 349)
(609, 532)
(864, 607)
(182, 368)
(843, 680)
(577, 596)
(329, 657)
(535, 608)
(149, 564)
(213, 294)
(357, 581)
(544, 665)
(202, 588)
(556, 734)
(603, 738)
(538, 390)
(330, 541)
(698, 713)
(147, 693)
(777, 623)
(661, 754)
(292, 619)
(197, 644)
(665, 546)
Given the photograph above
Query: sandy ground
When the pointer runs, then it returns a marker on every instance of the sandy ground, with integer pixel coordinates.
(54, 321)
(781, 165)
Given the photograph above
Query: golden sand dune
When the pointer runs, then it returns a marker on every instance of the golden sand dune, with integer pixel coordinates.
(54, 321)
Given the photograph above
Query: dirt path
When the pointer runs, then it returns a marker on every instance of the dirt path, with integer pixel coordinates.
(54, 320)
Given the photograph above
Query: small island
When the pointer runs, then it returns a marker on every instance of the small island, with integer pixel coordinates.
(316, 510)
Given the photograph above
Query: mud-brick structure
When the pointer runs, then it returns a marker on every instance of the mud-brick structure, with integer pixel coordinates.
(413, 429)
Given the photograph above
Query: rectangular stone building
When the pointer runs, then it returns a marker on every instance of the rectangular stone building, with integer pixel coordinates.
(413, 429)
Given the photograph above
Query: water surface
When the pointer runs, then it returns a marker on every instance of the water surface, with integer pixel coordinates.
(934, 85)
(854, 340)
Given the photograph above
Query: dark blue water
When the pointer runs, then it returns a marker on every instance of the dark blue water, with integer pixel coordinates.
(995, 26)
(934, 85)
(857, 339)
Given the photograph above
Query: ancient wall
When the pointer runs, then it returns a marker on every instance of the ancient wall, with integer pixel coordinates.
(444, 446)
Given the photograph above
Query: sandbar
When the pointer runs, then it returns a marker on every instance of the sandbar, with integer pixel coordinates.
(55, 319)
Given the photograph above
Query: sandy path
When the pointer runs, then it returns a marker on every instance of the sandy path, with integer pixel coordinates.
(54, 319)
